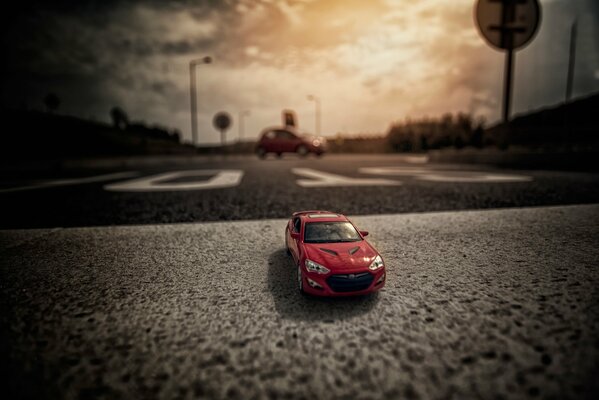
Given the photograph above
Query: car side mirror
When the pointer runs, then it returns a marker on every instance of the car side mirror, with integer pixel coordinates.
(295, 235)
(364, 233)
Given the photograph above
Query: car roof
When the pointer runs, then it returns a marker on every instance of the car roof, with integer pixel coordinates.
(280, 128)
(320, 216)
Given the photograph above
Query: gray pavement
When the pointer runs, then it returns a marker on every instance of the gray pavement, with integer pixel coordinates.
(478, 304)
(245, 188)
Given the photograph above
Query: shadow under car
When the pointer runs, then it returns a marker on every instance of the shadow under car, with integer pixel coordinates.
(290, 303)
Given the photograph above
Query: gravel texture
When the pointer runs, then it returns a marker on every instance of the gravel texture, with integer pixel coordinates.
(479, 304)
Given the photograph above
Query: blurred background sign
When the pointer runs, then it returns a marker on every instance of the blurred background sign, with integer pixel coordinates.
(222, 122)
(289, 119)
(508, 25)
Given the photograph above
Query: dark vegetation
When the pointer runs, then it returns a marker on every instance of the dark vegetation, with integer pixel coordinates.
(568, 127)
(30, 134)
(435, 133)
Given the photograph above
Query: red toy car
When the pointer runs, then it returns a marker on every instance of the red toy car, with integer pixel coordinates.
(287, 140)
(331, 255)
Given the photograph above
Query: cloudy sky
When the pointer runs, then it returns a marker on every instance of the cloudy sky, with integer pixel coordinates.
(371, 62)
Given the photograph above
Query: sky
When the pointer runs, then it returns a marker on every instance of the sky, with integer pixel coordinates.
(370, 62)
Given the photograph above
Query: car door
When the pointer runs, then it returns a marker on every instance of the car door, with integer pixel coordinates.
(269, 142)
(296, 224)
(285, 141)
(294, 141)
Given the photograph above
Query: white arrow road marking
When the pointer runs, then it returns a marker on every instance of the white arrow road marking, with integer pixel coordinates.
(74, 181)
(474, 178)
(325, 179)
(445, 176)
(220, 178)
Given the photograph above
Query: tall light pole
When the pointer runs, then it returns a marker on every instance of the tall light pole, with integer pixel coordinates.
(242, 114)
(571, 60)
(193, 96)
(316, 101)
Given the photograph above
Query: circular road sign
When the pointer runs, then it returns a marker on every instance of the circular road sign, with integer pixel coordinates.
(508, 24)
(221, 120)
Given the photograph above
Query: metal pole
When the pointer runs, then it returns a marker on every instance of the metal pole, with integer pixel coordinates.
(572, 61)
(193, 96)
(316, 101)
(507, 90)
(318, 110)
(242, 114)
(192, 101)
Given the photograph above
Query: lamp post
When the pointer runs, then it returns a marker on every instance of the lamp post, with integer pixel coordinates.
(316, 101)
(571, 60)
(193, 96)
(242, 114)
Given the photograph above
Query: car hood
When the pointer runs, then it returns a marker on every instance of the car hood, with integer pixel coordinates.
(341, 256)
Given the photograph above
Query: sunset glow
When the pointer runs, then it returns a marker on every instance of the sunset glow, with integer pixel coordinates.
(371, 62)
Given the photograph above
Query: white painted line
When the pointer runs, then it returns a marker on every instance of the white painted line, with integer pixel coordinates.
(424, 174)
(394, 171)
(219, 178)
(474, 178)
(415, 159)
(74, 181)
(325, 179)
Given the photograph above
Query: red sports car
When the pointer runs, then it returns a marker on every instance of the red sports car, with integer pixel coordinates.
(332, 256)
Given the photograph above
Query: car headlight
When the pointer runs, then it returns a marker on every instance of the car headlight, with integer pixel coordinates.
(315, 267)
(376, 264)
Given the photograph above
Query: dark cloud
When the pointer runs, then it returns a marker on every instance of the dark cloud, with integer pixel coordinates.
(133, 53)
(84, 45)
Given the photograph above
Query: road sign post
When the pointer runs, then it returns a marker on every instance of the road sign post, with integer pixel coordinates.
(222, 122)
(507, 25)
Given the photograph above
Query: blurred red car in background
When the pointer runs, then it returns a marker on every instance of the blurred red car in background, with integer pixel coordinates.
(287, 140)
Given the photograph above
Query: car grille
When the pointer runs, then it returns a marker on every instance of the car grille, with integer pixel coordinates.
(350, 282)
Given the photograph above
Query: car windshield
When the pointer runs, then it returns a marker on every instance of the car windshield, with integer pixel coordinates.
(328, 232)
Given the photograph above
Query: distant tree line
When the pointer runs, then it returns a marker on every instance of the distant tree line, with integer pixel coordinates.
(364, 143)
(120, 121)
(424, 134)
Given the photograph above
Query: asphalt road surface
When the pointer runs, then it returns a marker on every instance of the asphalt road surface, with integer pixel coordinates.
(478, 304)
(170, 280)
(240, 188)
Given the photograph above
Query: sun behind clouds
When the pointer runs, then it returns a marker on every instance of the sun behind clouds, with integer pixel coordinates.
(370, 62)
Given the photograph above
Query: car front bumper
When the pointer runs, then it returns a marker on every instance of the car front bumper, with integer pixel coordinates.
(333, 285)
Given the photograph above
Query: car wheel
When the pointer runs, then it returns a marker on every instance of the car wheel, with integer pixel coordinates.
(286, 245)
(300, 280)
(319, 154)
(302, 150)
(261, 152)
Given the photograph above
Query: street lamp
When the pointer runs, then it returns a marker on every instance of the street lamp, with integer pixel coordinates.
(242, 114)
(316, 101)
(193, 96)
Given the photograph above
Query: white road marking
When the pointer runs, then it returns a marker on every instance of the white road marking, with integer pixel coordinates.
(325, 179)
(231, 178)
(74, 181)
(475, 178)
(424, 174)
(415, 159)
(220, 178)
